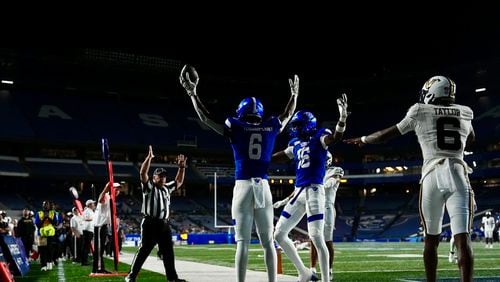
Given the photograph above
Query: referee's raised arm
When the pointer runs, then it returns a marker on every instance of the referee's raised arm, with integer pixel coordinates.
(146, 164)
(179, 178)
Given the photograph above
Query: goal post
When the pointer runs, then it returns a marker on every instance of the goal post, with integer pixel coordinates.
(216, 224)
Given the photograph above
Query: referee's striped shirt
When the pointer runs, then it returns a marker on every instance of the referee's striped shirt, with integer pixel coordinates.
(156, 200)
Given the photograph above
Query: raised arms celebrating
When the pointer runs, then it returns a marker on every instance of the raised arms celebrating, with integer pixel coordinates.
(292, 103)
(341, 124)
(189, 80)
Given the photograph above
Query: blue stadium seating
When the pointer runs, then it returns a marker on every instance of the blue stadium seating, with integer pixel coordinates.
(14, 125)
(10, 166)
(56, 167)
(120, 169)
(87, 119)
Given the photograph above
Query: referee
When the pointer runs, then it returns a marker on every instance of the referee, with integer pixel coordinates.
(155, 209)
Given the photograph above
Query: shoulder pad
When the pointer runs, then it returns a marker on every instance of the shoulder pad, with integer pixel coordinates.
(467, 112)
(413, 110)
(323, 131)
(292, 141)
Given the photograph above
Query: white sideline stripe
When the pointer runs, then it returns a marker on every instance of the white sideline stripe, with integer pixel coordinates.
(475, 277)
(409, 270)
(196, 271)
(60, 272)
(402, 261)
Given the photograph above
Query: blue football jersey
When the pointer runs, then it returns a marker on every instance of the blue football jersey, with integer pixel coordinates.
(310, 157)
(252, 145)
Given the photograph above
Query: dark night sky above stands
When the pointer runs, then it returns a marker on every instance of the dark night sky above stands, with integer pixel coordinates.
(374, 62)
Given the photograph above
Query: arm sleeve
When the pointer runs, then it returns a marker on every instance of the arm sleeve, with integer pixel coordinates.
(325, 133)
(289, 152)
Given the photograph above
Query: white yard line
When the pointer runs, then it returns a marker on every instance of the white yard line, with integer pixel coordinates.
(60, 272)
(408, 270)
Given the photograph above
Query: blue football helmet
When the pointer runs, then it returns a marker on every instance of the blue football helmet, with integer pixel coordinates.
(250, 107)
(303, 124)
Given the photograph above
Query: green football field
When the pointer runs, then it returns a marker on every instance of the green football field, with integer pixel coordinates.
(353, 262)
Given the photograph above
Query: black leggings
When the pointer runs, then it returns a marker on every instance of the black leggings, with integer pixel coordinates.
(99, 245)
(155, 231)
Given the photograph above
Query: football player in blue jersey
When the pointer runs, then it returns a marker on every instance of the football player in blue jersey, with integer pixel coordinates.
(331, 184)
(252, 139)
(309, 148)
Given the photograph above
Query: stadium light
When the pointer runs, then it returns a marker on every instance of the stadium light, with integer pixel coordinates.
(389, 168)
(377, 170)
(405, 167)
(399, 168)
(343, 180)
(290, 181)
(482, 89)
(281, 181)
(7, 81)
(373, 190)
(466, 153)
(407, 191)
(474, 163)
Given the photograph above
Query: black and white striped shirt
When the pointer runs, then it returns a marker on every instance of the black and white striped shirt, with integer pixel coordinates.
(156, 200)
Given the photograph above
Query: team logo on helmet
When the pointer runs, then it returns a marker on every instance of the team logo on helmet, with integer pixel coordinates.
(250, 107)
(438, 88)
(302, 125)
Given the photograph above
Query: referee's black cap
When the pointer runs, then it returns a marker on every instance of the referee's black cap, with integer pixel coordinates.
(160, 171)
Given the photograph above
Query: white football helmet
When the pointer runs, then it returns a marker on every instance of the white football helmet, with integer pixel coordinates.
(438, 88)
(338, 171)
(329, 159)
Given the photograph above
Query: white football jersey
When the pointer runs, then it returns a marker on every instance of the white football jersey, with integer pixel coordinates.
(331, 185)
(489, 223)
(442, 131)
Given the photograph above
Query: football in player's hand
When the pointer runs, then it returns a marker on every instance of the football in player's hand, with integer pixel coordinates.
(193, 75)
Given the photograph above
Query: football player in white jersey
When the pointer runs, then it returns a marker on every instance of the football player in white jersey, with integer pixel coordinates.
(443, 130)
(488, 225)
